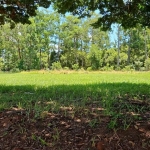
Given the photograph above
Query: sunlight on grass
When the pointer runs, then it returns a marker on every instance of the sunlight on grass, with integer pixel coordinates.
(52, 78)
(112, 92)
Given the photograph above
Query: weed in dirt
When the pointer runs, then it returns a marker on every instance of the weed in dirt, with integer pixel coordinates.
(93, 123)
(56, 134)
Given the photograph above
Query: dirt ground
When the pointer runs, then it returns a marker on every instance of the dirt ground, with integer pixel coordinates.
(21, 130)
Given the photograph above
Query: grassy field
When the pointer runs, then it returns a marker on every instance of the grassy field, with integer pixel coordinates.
(75, 110)
(41, 91)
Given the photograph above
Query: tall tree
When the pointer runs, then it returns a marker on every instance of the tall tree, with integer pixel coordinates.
(118, 45)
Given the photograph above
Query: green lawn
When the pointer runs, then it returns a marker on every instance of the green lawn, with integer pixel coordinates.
(110, 90)
(82, 78)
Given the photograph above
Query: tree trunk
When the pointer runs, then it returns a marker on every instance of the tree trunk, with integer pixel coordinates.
(40, 59)
(19, 53)
(145, 42)
(118, 55)
(129, 49)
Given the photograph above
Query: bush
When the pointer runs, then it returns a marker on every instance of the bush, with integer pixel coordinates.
(142, 69)
(15, 70)
(138, 65)
(47, 69)
(1, 64)
(66, 68)
(56, 66)
(106, 68)
(128, 68)
(75, 66)
(82, 69)
(89, 69)
(147, 64)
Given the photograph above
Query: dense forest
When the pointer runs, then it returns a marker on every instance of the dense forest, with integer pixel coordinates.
(53, 41)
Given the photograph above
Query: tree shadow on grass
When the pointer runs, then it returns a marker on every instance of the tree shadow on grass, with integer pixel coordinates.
(71, 116)
(108, 93)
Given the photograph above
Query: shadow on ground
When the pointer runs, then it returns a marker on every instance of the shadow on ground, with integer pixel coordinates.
(106, 116)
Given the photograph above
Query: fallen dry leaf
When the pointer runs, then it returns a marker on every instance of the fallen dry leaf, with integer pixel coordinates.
(20, 130)
(148, 134)
(100, 146)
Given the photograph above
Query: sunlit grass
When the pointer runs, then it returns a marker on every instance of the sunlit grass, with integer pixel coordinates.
(71, 78)
(49, 91)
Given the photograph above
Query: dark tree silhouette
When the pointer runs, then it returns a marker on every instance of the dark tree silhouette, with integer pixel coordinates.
(128, 13)
(20, 10)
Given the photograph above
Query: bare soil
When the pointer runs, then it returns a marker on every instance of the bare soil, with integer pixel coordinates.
(21, 130)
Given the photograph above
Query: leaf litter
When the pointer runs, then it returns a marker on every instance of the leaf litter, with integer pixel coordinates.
(67, 129)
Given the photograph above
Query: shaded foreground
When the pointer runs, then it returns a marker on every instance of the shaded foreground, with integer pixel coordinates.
(69, 130)
(76, 112)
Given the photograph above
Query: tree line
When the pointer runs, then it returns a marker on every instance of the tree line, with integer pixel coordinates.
(54, 41)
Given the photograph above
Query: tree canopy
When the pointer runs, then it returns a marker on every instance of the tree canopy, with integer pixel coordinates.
(128, 13)
(20, 10)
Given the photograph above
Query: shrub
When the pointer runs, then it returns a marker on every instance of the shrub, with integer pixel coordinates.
(56, 66)
(138, 64)
(1, 64)
(128, 68)
(147, 64)
(107, 68)
(75, 66)
(66, 68)
(89, 69)
(15, 70)
(82, 69)
(142, 69)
